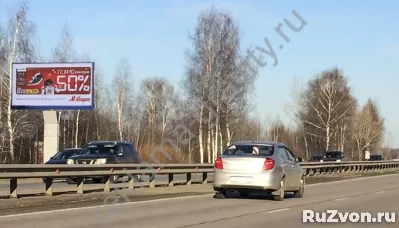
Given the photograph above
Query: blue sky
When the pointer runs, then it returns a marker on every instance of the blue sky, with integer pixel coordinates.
(361, 38)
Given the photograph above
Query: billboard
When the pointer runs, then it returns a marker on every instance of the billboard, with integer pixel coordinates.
(48, 86)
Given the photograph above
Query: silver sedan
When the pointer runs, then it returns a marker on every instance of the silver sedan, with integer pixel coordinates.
(259, 167)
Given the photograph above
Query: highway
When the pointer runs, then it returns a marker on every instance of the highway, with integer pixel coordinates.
(371, 194)
(62, 186)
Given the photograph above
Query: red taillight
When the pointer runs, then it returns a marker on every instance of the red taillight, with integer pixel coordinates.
(219, 163)
(269, 164)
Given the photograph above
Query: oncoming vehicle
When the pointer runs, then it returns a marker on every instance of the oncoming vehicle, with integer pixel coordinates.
(316, 158)
(376, 157)
(62, 156)
(106, 152)
(258, 167)
(334, 156)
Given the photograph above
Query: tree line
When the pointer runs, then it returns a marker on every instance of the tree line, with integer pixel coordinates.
(190, 122)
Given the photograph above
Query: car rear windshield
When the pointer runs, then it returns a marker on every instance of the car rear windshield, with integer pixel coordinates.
(263, 150)
(99, 149)
(334, 154)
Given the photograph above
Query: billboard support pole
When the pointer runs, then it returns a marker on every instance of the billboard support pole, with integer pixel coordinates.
(51, 134)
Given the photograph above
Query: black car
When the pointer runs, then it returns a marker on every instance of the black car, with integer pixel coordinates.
(334, 156)
(106, 152)
(376, 157)
(316, 158)
(62, 156)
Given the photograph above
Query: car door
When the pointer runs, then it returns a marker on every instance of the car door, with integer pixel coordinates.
(297, 170)
(128, 153)
(287, 166)
(120, 155)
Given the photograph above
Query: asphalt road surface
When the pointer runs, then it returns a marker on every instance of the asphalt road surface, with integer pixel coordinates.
(61, 185)
(373, 194)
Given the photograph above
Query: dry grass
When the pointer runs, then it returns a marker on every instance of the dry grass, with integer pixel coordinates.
(162, 154)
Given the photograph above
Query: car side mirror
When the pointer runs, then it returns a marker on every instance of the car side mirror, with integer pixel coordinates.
(51, 158)
(298, 159)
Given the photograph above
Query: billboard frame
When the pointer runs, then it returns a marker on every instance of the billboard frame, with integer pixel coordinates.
(52, 107)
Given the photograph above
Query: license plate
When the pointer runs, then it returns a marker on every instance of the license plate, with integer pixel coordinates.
(241, 180)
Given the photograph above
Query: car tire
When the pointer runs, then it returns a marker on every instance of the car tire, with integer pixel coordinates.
(244, 194)
(114, 179)
(301, 191)
(221, 194)
(281, 192)
(98, 180)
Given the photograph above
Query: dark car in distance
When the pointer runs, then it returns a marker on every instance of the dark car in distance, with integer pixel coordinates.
(376, 157)
(105, 152)
(334, 156)
(62, 156)
(316, 158)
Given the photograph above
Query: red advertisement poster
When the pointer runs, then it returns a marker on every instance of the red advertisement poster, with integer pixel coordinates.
(63, 81)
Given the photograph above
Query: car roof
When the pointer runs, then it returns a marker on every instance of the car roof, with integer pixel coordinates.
(110, 142)
(258, 143)
(66, 149)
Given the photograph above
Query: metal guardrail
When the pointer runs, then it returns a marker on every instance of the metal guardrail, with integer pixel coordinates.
(49, 172)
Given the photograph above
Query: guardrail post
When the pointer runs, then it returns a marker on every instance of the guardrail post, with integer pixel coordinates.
(152, 182)
(49, 186)
(131, 182)
(79, 183)
(204, 178)
(188, 179)
(13, 188)
(170, 179)
(107, 184)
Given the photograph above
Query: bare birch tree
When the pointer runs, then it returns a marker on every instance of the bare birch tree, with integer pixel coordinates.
(368, 129)
(328, 101)
(296, 110)
(17, 46)
(122, 87)
(217, 79)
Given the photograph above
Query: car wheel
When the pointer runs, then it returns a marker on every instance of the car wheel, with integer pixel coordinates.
(221, 194)
(152, 177)
(97, 180)
(114, 179)
(244, 194)
(281, 192)
(301, 191)
(138, 178)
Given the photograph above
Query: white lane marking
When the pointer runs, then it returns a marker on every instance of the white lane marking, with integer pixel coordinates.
(380, 192)
(353, 179)
(278, 210)
(161, 200)
(101, 206)
(340, 199)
